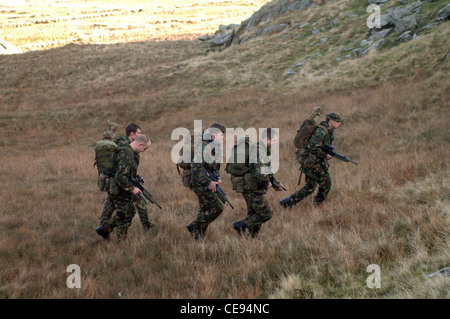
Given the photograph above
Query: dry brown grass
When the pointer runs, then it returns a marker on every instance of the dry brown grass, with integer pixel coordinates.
(391, 210)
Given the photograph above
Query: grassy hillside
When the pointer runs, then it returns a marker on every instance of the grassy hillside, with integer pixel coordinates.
(391, 210)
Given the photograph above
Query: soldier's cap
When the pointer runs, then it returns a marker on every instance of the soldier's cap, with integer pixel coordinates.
(334, 116)
(108, 135)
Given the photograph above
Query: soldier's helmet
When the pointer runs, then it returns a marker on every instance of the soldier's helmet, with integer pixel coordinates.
(108, 135)
(334, 116)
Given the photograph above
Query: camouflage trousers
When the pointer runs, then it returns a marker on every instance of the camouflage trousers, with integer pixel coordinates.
(141, 207)
(210, 208)
(258, 211)
(318, 175)
(125, 211)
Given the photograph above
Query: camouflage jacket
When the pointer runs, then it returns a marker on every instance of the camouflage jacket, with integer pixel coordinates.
(126, 168)
(123, 140)
(319, 138)
(260, 179)
(198, 162)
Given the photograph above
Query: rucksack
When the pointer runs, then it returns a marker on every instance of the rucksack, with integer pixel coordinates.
(240, 170)
(303, 135)
(242, 176)
(104, 150)
(186, 167)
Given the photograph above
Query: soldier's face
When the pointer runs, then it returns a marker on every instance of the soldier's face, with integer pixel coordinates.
(143, 147)
(272, 141)
(218, 138)
(133, 135)
(334, 124)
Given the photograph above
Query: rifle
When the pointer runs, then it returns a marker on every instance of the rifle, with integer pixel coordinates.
(145, 193)
(275, 182)
(219, 191)
(329, 149)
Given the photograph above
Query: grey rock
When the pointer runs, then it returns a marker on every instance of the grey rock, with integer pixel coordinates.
(444, 13)
(273, 29)
(363, 43)
(377, 35)
(205, 37)
(291, 72)
(303, 25)
(220, 39)
(298, 65)
(406, 23)
(374, 47)
(404, 37)
(377, 1)
(443, 272)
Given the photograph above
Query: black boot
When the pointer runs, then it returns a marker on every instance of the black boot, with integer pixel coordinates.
(286, 202)
(102, 232)
(240, 227)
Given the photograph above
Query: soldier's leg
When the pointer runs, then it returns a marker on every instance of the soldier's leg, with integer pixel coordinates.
(210, 208)
(324, 188)
(107, 210)
(125, 211)
(261, 212)
(240, 226)
(142, 210)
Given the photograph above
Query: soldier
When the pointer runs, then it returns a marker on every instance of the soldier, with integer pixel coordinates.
(132, 131)
(210, 205)
(254, 184)
(123, 198)
(316, 164)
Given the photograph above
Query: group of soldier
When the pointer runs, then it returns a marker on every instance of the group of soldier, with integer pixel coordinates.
(247, 179)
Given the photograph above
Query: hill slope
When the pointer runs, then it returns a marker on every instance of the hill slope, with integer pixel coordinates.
(391, 210)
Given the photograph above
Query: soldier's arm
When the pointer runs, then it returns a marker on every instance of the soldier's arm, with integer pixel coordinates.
(316, 142)
(124, 165)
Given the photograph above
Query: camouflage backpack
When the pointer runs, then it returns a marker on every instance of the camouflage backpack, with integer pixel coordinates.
(303, 135)
(242, 176)
(186, 167)
(104, 150)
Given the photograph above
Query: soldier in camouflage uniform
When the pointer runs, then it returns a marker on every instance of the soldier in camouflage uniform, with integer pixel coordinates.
(210, 205)
(132, 131)
(316, 164)
(255, 185)
(123, 198)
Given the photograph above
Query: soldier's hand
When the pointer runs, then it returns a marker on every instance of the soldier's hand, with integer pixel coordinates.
(219, 182)
(136, 191)
(328, 157)
(212, 186)
(269, 186)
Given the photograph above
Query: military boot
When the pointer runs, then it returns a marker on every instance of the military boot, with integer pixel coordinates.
(190, 227)
(320, 197)
(286, 202)
(240, 227)
(102, 232)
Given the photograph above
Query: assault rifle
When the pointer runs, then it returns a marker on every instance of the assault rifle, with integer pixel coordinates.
(219, 191)
(329, 149)
(145, 194)
(275, 182)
